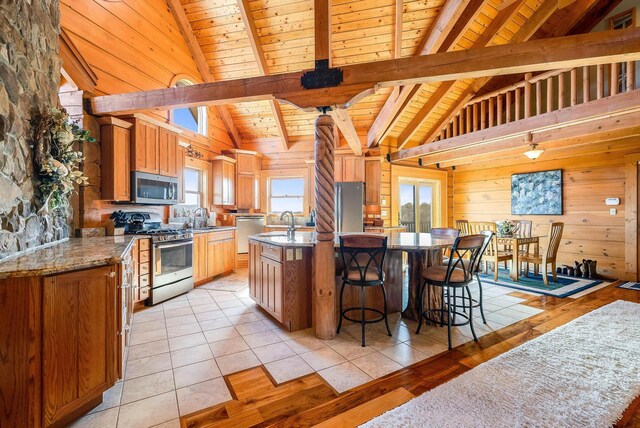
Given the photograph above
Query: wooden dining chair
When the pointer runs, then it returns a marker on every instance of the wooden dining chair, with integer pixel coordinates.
(463, 227)
(492, 254)
(523, 229)
(549, 254)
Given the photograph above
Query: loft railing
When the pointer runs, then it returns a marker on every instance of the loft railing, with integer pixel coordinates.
(543, 93)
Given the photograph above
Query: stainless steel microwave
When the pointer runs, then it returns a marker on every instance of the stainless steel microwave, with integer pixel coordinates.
(153, 189)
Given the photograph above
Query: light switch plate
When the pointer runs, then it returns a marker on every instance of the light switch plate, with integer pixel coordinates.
(613, 211)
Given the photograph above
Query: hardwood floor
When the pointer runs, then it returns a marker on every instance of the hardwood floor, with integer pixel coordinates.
(309, 401)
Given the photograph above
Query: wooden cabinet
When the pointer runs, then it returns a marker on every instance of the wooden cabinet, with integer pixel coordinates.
(247, 180)
(223, 181)
(142, 257)
(349, 169)
(115, 139)
(79, 340)
(373, 179)
(279, 279)
(246, 191)
(167, 150)
(199, 257)
(153, 146)
(214, 253)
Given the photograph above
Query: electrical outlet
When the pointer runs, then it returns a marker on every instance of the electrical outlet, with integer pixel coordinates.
(613, 211)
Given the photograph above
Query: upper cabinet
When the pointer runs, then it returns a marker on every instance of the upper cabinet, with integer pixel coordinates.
(373, 179)
(115, 139)
(349, 169)
(153, 146)
(223, 178)
(248, 168)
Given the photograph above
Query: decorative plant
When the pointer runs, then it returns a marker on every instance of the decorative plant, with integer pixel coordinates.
(505, 228)
(58, 162)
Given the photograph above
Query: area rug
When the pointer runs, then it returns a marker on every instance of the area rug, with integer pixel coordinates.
(566, 285)
(582, 374)
(630, 286)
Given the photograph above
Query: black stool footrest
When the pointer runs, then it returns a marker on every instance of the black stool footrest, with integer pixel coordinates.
(379, 312)
(443, 312)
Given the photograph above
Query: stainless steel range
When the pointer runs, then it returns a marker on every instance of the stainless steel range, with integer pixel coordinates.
(172, 255)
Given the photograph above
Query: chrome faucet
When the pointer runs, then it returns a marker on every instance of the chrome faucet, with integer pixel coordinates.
(195, 213)
(291, 231)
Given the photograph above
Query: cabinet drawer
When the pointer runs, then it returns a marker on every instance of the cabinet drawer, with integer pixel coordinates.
(145, 281)
(143, 293)
(144, 268)
(144, 257)
(271, 251)
(144, 244)
(220, 236)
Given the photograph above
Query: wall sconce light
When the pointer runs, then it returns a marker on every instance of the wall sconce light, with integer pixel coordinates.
(534, 153)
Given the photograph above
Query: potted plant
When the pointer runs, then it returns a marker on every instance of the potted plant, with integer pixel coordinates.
(505, 228)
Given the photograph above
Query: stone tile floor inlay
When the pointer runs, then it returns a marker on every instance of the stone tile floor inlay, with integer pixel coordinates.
(181, 349)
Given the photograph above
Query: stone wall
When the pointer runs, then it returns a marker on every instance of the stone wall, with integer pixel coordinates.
(29, 78)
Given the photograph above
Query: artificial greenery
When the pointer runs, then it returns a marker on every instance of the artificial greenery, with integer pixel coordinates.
(58, 161)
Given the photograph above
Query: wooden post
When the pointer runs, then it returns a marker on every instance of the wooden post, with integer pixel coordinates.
(324, 305)
(527, 96)
(574, 86)
(586, 96)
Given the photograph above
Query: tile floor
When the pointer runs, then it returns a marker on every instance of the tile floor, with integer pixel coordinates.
(180, 351)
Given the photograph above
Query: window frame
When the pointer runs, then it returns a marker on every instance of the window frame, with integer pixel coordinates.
(202, 186)
(302, 197)
(203, 113)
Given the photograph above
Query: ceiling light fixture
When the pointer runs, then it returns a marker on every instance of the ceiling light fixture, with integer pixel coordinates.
(534, 153)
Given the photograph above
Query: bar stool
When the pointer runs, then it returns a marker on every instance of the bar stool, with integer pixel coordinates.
(363, 257)
(457, 274)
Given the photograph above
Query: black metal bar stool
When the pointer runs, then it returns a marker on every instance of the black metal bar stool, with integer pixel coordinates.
(363, 257)
(457, 274)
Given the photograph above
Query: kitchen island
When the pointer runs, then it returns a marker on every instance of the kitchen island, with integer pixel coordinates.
(281, 274)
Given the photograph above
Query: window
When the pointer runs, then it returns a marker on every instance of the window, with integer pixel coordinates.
(193, 187)
(416, 206)
(286, 194)
(619, 22)
(191, 118)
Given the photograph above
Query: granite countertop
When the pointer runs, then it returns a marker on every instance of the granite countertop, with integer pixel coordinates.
(395, 241)
(386, 228)
(214, 229)
(285, 226)
(69, 255)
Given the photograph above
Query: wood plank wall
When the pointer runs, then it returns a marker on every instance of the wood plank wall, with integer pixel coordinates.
(134, 45)
(482, 192)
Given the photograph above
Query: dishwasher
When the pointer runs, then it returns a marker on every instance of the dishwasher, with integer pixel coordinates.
(247, 226)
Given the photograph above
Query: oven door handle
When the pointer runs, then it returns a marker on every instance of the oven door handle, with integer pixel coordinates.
(178, 244)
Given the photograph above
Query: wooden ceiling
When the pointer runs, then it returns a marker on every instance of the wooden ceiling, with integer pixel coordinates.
(247, 38)
(231, 39)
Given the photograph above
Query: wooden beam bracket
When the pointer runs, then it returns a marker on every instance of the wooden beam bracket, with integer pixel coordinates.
(322, 76)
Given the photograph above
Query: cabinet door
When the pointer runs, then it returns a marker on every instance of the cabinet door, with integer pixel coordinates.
(229, 183)
(254, 271)
(180, 173)
(228, 255)
(272, 287)
(199, 256)
(215, 254)
(353, 169)
(244, 163)
(245, 192)
(167, 147)
(338, 169)
(145, 148)
(373, 176)
(79, 339)
(116, 166)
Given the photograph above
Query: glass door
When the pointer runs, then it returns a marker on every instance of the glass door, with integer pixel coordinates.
(416, 207)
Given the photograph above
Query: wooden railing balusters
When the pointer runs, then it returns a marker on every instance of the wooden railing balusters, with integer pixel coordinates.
(560, 91)
(518, 103)
(613, 78)
(527, 95)
(574, 86)
(599, 81)
(585, 84)
(508, 106)
(538, 97)
(549, 94)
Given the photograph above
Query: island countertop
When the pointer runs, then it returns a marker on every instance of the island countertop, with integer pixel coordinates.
(396, 241)
(65, 256)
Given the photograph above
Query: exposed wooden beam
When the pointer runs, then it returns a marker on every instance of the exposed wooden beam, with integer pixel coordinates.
(75, 66)
(468, 16)
(597, 13)
(397, 28)
(625, 103)
(322, 29)
(201, 63)
(345, 125)
(261, 60)
(540, 16)
(448, 16)
(589, 132)
(432, 42)
(496, 26)
(361, 79)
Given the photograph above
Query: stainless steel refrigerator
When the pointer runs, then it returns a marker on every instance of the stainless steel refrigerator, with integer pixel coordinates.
(349, 198)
